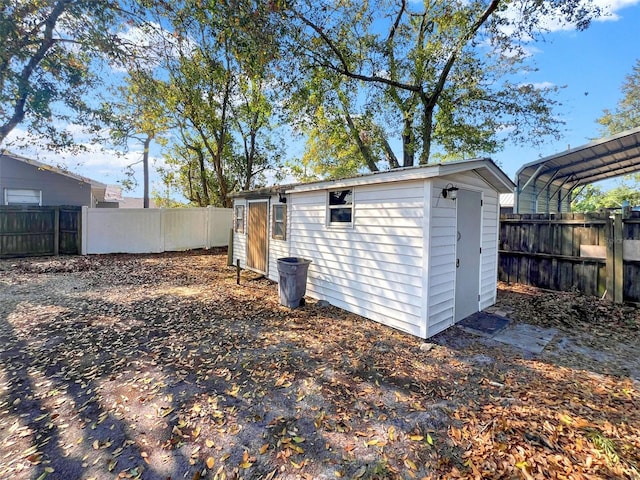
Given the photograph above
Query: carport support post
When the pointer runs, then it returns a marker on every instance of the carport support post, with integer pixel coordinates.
(615, 269)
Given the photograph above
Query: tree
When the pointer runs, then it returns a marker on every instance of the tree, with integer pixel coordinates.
(440, 74)
(186, 170)
(627, 113)
(49, 50)
(594, 198)
(221, 96)
(139, 115)
(342, 136)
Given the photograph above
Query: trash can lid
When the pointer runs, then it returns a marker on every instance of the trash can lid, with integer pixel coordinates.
(296, 260)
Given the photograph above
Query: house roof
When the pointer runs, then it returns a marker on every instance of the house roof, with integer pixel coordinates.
(483, 167)
(601, 159)
(98, 189)
(507, 199)
(51, 168)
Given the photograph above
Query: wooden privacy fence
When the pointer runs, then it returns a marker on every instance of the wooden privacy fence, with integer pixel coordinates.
(596, 254)
(29, 231)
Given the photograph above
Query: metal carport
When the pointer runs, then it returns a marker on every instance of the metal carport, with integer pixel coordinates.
(548, 185)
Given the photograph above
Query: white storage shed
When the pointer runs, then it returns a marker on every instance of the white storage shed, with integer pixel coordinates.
(414, 248)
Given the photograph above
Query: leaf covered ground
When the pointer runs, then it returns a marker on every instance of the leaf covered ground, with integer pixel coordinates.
(161, 367)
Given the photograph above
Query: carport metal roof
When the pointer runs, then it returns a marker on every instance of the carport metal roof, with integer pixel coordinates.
(601, 159)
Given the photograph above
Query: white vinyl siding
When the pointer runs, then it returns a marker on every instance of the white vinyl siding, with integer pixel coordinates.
(442, 255)
(375, 268)
(396, 263)
(441, 295)
(490, 233)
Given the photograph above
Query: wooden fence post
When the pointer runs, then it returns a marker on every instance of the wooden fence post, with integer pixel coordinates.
(56, 231)
(618, 238)
(610, 265)
(615, 267)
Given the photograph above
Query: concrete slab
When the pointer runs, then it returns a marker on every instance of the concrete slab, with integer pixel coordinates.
(528, 337)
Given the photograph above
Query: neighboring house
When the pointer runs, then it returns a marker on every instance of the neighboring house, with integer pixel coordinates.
(113, 199)
(507, 200)
(413, 248)
(24, 181)
(135, 202)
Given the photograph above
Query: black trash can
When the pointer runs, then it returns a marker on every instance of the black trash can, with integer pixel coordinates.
(293, 280)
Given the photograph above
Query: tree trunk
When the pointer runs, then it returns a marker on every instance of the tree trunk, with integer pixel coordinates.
(391, 156)
(365, 151)
(427, 132)
(203, 200)
(145, 169)
(408, 142)
(18, 114)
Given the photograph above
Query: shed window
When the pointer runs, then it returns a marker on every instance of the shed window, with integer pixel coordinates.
(239, 219)
(279, 222)
(19, 196)
(341, 207)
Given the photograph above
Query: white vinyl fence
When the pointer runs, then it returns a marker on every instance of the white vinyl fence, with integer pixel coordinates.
(154, 230)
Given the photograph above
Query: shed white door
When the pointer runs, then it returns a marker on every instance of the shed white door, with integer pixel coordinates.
(257, 236)
(469, 216)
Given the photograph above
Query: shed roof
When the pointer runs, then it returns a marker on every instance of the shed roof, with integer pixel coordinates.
(483, 167)
(601, 159)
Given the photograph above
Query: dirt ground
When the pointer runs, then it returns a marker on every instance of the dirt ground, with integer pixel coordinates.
(161, 367)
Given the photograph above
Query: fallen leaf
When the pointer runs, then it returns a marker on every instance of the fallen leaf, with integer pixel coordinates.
(360, 472)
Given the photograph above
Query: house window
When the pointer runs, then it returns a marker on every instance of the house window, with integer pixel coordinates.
(20, 196)
(239, 219)
(341, 207)
(279, 222)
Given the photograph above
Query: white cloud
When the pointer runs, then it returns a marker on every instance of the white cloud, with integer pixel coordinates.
(611, 7)
(543, 85)
(95, 161)
(151, 43)
(609, 11)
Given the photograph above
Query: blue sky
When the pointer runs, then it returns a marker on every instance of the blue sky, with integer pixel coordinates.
(591, 64)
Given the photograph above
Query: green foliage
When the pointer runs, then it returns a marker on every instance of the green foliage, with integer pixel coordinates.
(604, 444)
(139, 115)
(219, 94)
(440, 76)
(594, 198)
(627, 113)
(47, 59)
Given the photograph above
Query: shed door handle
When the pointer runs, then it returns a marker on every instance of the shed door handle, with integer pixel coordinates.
(457, 262)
